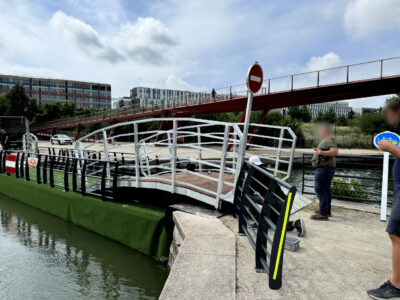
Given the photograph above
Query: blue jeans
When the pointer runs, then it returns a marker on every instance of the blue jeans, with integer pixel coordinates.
(323, 180)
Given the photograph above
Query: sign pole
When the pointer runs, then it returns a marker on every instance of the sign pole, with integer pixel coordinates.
(254, 82)
(243, 141)
(385, 179)
(395, 140)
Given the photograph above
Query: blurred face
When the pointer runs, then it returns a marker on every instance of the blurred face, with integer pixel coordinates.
(3, 131)
(392, 117)
(323, 132)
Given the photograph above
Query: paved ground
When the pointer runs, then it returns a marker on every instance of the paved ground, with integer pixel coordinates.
(205, 265)
(338, 259)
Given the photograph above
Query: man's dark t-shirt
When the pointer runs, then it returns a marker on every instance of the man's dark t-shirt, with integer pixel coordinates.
(3, 138)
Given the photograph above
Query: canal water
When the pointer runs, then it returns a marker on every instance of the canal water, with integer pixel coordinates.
(43, 257)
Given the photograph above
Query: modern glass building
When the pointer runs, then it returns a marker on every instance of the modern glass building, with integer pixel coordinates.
(46, 91)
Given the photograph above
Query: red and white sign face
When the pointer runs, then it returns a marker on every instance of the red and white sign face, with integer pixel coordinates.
(11, 164)
(255, 78)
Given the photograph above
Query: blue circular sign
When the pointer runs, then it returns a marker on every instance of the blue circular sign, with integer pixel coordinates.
(387, 136)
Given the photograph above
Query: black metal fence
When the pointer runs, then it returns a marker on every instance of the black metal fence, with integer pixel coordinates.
(357, 178)
(263, 211)
(86, 176)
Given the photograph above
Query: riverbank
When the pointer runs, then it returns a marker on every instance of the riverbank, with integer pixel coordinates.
(138, 226)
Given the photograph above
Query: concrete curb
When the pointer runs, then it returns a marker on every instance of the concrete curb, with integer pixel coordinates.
(205, 266)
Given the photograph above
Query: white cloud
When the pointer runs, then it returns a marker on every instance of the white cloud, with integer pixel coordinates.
(196, 44)
(34, 72)
(327, 61)
(175, 82)
(146, 41)
(364, 18)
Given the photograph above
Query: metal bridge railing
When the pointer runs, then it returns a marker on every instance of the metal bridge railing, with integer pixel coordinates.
(263, 212)
(198, 158)
(357, 178)
(373, 70)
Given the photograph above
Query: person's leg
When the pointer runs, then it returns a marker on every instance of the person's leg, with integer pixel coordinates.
(391, 288)
(329, 192)
(395, 280)
(321, 190)
(298, 225)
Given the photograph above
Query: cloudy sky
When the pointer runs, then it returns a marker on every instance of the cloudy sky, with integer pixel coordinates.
(192, 44)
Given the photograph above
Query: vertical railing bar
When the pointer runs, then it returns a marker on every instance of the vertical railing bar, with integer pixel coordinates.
(173, 155)
(17, 161)
(66, 175)
(199, 150)
(222, 166)
(74, 175)
(27, 178)
(115, 182)
(83, 178)
(137, 154)
(38, 175)
(44, 169)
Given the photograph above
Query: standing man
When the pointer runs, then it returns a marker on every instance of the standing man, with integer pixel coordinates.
(213, 95)
(4, 140)
(325, 163)
(391, 288)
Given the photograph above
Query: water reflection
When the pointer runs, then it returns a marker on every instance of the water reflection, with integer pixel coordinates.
(43, 257)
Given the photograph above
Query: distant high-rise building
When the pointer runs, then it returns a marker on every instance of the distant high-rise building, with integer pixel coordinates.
(46, 91)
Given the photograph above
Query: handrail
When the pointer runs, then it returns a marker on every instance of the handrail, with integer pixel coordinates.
(380, 69)
(263, 217)
(190, 141)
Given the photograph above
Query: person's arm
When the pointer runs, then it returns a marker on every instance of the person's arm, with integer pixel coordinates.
(387, 146)
(6, 141)
(330, 152)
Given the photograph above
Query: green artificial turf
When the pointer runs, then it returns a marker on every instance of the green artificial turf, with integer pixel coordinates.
(140, 227)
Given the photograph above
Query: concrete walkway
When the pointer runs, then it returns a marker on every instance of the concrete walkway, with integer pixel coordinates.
(205, 267)
(338, 259)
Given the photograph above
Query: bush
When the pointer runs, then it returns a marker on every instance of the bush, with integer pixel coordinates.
(344, 188)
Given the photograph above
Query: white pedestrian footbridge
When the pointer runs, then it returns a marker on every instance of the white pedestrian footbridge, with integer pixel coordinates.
(197, 158)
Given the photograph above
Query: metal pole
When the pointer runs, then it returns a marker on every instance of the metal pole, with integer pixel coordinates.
(243, 141)
(385, 179)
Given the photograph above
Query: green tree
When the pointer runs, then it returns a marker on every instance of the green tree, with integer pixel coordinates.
(328, 116)
(301, 113)
(372, 123)
(273, 118)
(18, 100)
(351, 115)
(342, 121)
(31, 109)
(5, 105)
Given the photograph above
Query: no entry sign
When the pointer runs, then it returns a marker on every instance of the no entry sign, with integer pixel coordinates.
(254, 78)
(11, 164)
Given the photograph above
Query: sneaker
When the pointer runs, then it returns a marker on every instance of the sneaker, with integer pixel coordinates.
(329, 215)
(319, 217)
(386, 291)
(300, 227)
